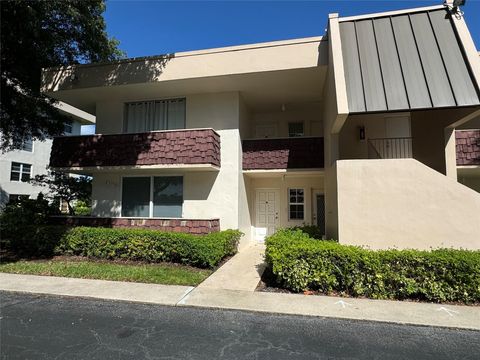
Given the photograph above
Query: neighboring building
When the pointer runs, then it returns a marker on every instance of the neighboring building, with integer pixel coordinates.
(19, 166)
(353, 131)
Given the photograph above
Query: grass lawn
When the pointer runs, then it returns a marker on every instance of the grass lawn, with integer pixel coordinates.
(87, 269)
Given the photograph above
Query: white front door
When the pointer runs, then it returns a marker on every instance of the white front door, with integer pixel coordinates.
(397, 132)
(267, 203)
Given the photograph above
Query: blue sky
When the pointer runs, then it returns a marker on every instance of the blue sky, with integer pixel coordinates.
(159, 27)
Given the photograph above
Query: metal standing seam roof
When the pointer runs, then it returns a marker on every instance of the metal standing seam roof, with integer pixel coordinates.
(405, 61)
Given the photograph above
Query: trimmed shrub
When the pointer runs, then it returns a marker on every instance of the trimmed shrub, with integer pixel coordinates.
(82, 208)
(24, 229)
(311, 230)
(150, 245)
(302, 263)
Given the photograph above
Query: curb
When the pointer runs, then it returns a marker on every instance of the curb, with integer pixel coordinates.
(383, 311)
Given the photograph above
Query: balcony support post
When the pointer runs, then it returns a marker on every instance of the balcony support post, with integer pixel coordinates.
(450, 153)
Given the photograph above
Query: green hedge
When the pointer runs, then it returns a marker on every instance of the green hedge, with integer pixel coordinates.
(311, 230)
(150, 245)
(302, 263)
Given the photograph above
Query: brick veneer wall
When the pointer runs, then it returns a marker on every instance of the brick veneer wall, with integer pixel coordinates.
(468, 147)
(175, 225)
(150, 148)
(291, 153)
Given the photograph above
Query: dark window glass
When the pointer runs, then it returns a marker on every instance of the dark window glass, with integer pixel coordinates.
(136, 197)
(17, 197)
(67, 127)
(27, 145)
(295, 129)
(20, 171)
(167, 196)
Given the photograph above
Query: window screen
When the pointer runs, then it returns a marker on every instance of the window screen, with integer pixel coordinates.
(167, 196)
(136, 196)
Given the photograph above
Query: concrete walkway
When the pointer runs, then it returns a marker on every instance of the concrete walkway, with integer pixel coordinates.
(241, 272)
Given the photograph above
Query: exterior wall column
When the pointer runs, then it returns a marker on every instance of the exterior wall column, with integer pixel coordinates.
(450, 153)
(334, 116)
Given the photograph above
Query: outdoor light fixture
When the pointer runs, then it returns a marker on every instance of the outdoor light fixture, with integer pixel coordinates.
(361, 132)
(453, 6)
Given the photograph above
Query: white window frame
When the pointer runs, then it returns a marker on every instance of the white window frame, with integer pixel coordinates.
(296, 122)
(296, 203)
(150, 207)
(21, 171)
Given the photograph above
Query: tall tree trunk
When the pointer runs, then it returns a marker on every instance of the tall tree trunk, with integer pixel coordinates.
(71, 211)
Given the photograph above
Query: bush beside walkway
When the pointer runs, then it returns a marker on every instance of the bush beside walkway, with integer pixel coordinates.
(301, 263)
(205, 251)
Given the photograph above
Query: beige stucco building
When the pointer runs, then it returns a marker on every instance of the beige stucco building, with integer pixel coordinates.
(17, 167)
(343, 131)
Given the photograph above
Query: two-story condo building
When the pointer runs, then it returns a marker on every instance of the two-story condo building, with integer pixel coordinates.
(353, 131)
(19, 166)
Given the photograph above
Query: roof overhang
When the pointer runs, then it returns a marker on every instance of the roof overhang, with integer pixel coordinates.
(286, 70)
(81, 116)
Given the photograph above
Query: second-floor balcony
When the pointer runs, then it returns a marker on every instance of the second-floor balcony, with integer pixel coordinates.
(283, 154)
(192, 148)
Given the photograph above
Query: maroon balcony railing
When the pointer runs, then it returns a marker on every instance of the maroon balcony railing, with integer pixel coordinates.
(468, 147)
(288, 153)
(151, 148)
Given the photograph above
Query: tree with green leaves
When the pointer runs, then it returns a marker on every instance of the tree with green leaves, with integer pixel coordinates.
(65, 187)
(36, 35)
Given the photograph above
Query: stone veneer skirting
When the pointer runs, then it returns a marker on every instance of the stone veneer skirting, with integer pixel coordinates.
(175, 225)
(468, 147)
